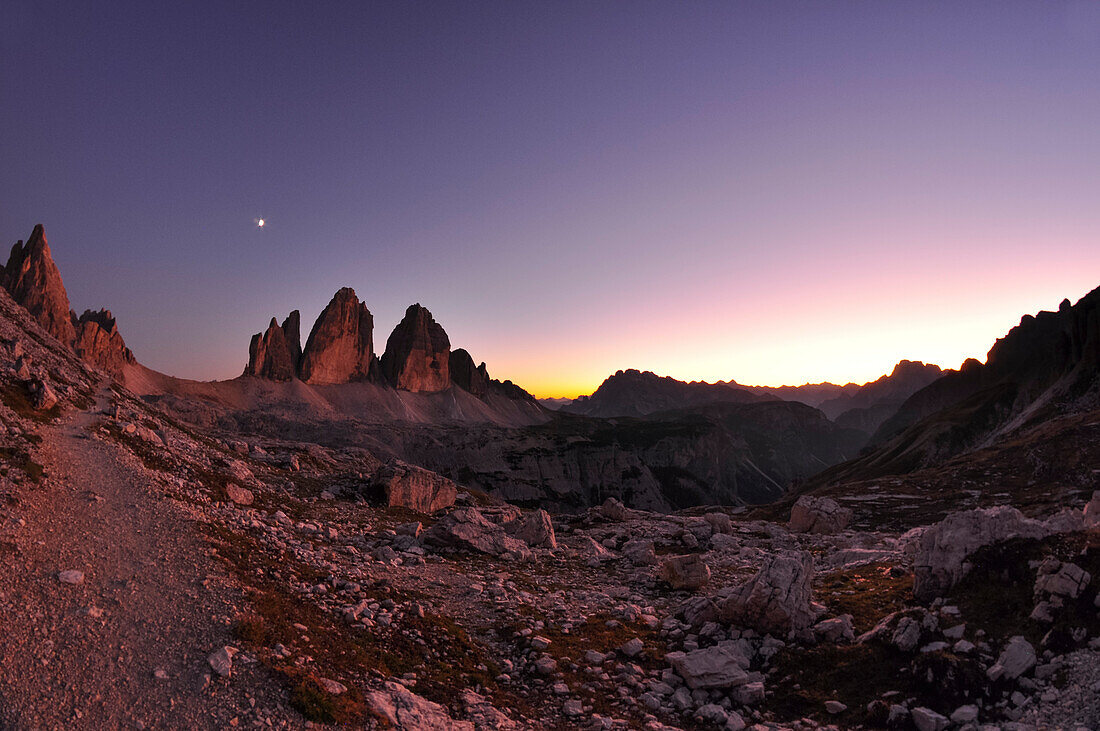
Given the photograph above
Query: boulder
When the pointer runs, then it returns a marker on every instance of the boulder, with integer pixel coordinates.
(467, 529)
(275, 354)
(722, 666)
(720, 523)
(1061, 579)
(925, 719)
(43, 396)
(535, 529)
(688, 572)
(942, 549)
(408, 486)
(400, 708)
(340, 347)
(239, 495)
(474, 379)
(818, 515)
(1092, 512)
(1017, 657)
(32, 278)
(777, 600)
(417, 356)
(612, 510)
(640, 552)
(837, 629)
(99, 343)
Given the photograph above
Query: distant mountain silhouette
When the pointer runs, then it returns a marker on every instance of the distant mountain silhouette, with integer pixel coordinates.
(637, 393)
(1044, 367)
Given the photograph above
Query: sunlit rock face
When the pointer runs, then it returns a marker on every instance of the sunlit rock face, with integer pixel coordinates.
(99, 343)
(33, 280)
(275, 354)
(417, 356)
(340, 347)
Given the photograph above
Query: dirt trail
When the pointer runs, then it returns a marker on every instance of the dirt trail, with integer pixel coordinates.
(164, 603)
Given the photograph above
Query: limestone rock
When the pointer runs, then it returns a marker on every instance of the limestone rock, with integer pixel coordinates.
(1092, 512)
(837, 629)
(99, 343)
(239, 495)
(408, 486)
(688, 572)
(722, 666)
(275, 354)
(535, 529)
(221, 661)
(340, 347)
(1017, 657)
(474, 379)
(818, 515)
(417, 356)
(640, 552)
(776, 600)
(400, 708)
(42, 395)
(925, 719)
(467, 529)
(32, 278)
(942, 550)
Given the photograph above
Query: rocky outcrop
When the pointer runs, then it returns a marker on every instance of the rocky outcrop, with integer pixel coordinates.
(407, 486)
(417, 356)
(819, 515)
(340, 347)
(776, 600)
(474, 379)
(275, 354)
(32, 278)
(942, 549)
(99, 343)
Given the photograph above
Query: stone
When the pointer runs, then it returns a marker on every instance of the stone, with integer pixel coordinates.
(818, 515)
(276, 353)
(720, 523)
(470, 378)
(835, 707)
(221, 660)
(640, 552)
(612, 510)
(777, 600)
(400, 708)
(417, 356)
(722, 666)
(408, 486)
(925, 719)
(98, 343)
(340, 347)
(942, 550)
(734, 722)
(71, 576)
(1061, 579)
(467, 529)
(43, 396)
(32, 278)
(837, 629)
(239, 495)
(1092, 512)
(749, 694)
(535, 529)
(1017, 657)
(689, 572)
(632, 647)
(965, 714)
(332, 687)
(906, 636)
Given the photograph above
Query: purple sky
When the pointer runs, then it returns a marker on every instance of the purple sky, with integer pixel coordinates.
(770, 192)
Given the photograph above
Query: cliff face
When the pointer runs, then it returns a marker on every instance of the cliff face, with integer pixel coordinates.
(275, 354)
(99, 343)
(417, 356)
(32, 278)
(340, 347)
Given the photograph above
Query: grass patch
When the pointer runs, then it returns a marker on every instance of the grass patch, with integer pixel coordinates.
(868, 593)
(15, 397)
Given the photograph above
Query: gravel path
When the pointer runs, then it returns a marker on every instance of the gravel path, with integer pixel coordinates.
(127, 647)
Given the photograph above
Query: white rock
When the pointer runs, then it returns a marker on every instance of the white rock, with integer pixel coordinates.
(720, 666)
(925, 719)
(835, 707)
(71, 576)
(221, 660)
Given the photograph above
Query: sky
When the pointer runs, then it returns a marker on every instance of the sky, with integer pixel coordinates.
(770, 192)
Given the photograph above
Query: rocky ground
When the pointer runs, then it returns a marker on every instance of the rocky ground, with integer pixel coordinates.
(165, 576)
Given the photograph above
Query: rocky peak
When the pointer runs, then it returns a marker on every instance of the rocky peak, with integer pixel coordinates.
(417, 356)
(99, 343)
(275, 354)
(32, 278)
(473, 379)
(340, 347)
